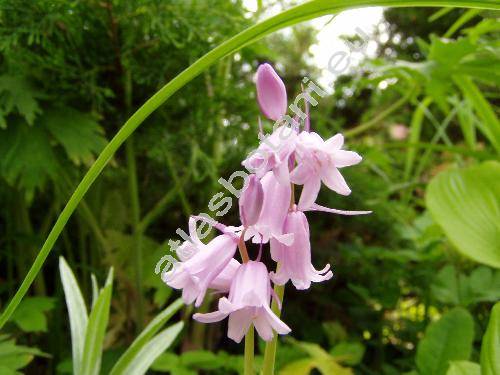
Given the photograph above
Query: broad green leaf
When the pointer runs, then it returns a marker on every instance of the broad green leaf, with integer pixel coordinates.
(490, 348)
(77, 312)
(30, 315)
(152, 349)
(349, 353)
(466, 204)
(14, 357)
(96, 329)
(299, 367)
(463, 368)
(151, 329)
(79, 134)
(456, 288)
(448, 339)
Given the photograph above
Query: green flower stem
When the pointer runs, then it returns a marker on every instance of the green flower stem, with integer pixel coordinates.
(270, 351)
(137, 235)
(249, 351)
(304, 12)
(382, 115)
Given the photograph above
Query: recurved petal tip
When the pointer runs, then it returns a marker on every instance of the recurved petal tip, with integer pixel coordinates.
(271, 92)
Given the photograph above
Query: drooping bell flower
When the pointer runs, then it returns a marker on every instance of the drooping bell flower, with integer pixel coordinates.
(247, 303)
(274, 210)
(273, 154)
(199, 272)
(251, 200)
(318, 161)
(271, 92)
(295, 259)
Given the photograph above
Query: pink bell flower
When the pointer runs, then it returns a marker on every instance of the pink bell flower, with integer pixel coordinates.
(295, 260)
(271, 92)
(247, 303)
(273, 154)
(275, 207)
(319, 161)
(208, 267)
(251, 200)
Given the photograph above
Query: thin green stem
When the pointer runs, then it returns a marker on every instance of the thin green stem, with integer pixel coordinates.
(249, 351)
(137, 233)
(382, 115)
(304, 12)
(270, 351)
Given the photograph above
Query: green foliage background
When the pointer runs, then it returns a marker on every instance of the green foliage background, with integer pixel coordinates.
(72, 72)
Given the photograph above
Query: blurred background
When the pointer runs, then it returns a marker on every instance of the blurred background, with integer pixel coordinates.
(72, 72)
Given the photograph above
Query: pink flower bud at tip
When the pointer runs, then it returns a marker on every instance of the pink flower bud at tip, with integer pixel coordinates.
(271, 92)
(251, 200)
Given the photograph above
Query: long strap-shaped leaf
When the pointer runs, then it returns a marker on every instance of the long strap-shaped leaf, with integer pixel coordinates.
(147, 355)
(139, 343)
(304, 12)
(77, 312)
(96, 329)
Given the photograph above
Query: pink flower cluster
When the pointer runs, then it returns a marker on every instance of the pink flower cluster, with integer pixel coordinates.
(268, 214)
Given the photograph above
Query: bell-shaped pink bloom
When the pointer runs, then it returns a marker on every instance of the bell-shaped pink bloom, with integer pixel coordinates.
(194, 275)
(271, 92)
(318, 161)
(251, 200)
(274, 210)
(273, 154)
(247, 303)
(295, 260)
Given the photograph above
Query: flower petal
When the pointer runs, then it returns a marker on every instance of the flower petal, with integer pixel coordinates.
(335, 181)
(343, 158)
(309, 193)
(239, 322)
(335, 142)
(317, 207)
(212, 317)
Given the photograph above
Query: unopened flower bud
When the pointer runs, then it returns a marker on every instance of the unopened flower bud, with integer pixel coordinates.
(251, 201)
(271, 92)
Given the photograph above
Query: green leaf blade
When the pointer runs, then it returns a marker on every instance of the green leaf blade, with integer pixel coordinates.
(466, 204)
(151, 329)
(448, 339)
(77, 311)
(490, 348)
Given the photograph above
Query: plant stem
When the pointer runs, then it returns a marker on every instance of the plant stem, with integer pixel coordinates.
(270, 352)
(137, 233)
(249, 351)
(309, 10)
(382, 115)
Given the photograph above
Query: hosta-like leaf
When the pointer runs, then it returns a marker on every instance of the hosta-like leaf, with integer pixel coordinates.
(466, 204)
(490, 348)
(463, 368)
(448, 339)
(77, 313)
(79, 133)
